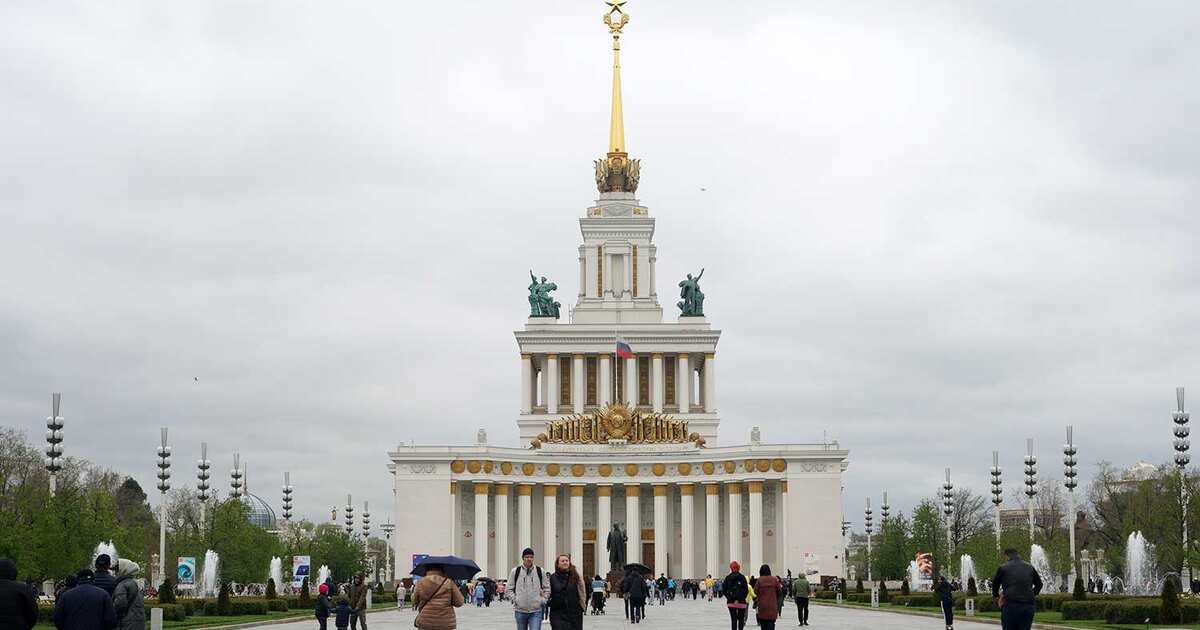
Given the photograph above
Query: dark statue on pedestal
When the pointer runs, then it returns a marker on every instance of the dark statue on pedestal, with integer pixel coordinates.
(541, 303)
(692, 304)
(616, 547)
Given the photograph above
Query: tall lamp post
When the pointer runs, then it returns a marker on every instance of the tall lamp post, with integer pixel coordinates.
(948, 510)
(1182, 444)
(869, 520)
(287, 498)
(1030, 482)
(164, 484)
(54, 438)
(202, 477)
(997, 494)
(1069, 474)
(349, 517)
(235, 477)
(366, 529)
(388, 528)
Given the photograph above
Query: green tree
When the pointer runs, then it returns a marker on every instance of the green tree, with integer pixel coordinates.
(894, 550)
(245, 548)
(928, 533)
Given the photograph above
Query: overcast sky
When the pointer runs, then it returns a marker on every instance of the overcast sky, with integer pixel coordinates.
(930, 229)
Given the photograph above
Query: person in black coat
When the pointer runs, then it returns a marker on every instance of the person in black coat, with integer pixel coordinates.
(85, 607)
(634, 588)
(945, 593)
(18, 608)
(1016, 587)
(735, 589)
(103, 577)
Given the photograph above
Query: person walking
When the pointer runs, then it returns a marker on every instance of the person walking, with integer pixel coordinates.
(341, 614)
(103, 578)
(568, 595)
(18, 608)
(598, 588)
(634, 587)
(435, 598)
(800, 591)
(660, 588)
(945, 594)
(401, 594)
(528, 588)
(323, 606)
(85, 607)
(736, 590)
(358, 602)
(127, 597)
(770, 593)
(1015, 588)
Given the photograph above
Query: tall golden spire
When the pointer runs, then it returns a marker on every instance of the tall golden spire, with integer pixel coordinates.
(616, 172)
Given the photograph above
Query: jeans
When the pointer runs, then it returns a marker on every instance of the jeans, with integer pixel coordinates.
(1015, 616)
(737, 618)
(357, 617)
(948, 612)
(529, 620)
(802, 609)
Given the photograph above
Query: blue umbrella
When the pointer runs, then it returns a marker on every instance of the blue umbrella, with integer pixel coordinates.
(452, 567)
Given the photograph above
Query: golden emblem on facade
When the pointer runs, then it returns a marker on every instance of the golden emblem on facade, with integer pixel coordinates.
(617, 422)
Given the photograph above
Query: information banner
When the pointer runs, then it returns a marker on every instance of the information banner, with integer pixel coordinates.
(185, 572)
(301, 566)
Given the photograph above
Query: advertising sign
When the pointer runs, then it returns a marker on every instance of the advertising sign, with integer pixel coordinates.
(185, 572)
(301, 565)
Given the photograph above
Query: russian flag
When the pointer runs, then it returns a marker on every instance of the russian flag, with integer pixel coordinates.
(623, 350)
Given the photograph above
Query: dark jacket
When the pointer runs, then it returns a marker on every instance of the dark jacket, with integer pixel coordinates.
(18, 608)
(945, 591)
(342, 615)
(634, 586)
(1019, 580)
(567, 601)
(85, 607)
(769, 593)
(358, 596)
(105, 580)
(322, 607)
(735, 589)
(129, 605)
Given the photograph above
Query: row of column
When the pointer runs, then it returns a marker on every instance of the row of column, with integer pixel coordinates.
(632, 525)
(549, 387)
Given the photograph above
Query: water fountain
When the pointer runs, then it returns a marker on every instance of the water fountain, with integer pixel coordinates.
(276, 573)
(1037, 557)
(210, 574)
(966, 570)
(1139, 567)
(322, 575)
(105, 547)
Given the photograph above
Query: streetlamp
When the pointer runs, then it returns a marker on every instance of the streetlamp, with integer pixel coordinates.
(202, 477)
(388, 528)
(1030, 482)
(1069, 472)
(366, 520)
(235, 477)
(349, 517)
(1182, 444)
(884, 509)
(164, 484)
(287, 497)
(54, 438)
(997, 493)
(869, 522)
(948, 510)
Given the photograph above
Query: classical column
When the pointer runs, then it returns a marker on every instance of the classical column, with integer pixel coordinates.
(781, 524)
(501, 501)
(710, 382)
(734, 522)
(683, 384)
(661, 544)
(550, 521)
(453, 518)
(631, 382)
(524, 516)
(656, 381)
(712, 524)
(526, 382)
(603, 526)
(687, 566)
(551, 383)
(633, 524)
(756, 524)
(481, 526)
(578, 384)
(605, 393)
(577, 525)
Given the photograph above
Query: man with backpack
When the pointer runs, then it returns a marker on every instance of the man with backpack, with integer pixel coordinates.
(529, 589)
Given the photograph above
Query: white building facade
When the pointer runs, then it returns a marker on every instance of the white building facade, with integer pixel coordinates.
(631, 441)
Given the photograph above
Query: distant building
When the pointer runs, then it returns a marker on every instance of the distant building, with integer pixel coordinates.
(1019, 517)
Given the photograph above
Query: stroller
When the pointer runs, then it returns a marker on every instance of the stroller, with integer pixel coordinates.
(598, 595)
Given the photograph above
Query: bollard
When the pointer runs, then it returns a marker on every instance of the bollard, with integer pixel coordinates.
(370, 593)
(839, 597)
(970, 603)
(156, 622)
(875, 597)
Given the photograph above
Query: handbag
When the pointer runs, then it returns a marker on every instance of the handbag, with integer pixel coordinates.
(422, 608)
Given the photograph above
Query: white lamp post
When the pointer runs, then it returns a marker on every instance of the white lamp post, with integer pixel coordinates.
(997, 493)
(202, 476)
(388, 528)
(1030, 482)
(54, 438)
(1182, 444)
(869, 520)
(164, 484)
(948, 510)
(1069, 474)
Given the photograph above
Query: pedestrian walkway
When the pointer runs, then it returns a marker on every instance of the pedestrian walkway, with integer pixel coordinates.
(676, 615)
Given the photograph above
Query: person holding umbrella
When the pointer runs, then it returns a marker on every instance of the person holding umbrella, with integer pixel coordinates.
(634, 588)
(435, 596)
(568, 596)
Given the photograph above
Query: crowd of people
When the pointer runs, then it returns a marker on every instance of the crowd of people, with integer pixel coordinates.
(101, 598)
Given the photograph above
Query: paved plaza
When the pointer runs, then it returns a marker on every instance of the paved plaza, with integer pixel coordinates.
(678, 615)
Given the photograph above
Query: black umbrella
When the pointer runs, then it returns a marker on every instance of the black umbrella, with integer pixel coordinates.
(452, 567)
(638, 567)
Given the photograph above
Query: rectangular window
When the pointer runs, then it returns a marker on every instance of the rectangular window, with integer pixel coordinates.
(592, 379)
(643, 364)
(669, 380)
(564, 381)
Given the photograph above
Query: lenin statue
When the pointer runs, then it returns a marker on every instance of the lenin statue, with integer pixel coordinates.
(616, 547)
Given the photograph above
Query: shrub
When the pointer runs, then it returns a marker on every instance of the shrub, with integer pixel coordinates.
(271, 594)
(224, 606)
(1136, 612)
(904, 587)
(1170, 611)
(166, 592)
(858, 587)
(46, 614)
(305, 600)
(1078, 610)
(1079, 593)
(277, 605)
(972, 590)
(883, 592)
(171, 612)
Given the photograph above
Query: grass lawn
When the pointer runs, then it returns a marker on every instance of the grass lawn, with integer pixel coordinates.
(1050, 617)
(202, 621)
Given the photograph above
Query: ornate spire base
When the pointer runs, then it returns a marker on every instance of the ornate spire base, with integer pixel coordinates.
(618, 173)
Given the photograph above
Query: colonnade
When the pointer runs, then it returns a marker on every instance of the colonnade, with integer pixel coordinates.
(563, 384)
